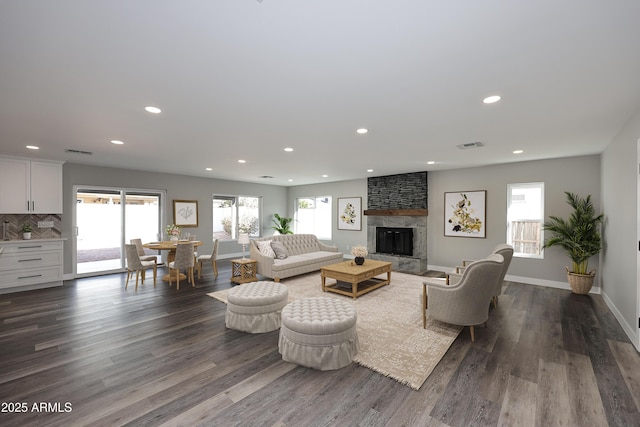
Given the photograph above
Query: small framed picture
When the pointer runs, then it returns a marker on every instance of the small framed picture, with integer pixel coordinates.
(350, 213)
(465, 214)
(185, 213)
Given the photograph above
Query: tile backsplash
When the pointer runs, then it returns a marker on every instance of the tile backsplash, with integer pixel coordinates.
(13, 224)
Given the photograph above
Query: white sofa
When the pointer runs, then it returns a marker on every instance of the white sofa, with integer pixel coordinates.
(303, 253)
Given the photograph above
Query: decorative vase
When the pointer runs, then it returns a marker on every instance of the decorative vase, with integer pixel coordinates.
(26, 236)
(581, 283)
(359, 260)
(173, 238)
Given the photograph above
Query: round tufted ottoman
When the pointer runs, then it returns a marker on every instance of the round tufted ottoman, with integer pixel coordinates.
(319, 333)
(255, 307)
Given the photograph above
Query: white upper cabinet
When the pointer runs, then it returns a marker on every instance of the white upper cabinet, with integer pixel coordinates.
(30, 186)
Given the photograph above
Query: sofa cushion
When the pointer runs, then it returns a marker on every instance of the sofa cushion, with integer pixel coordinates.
(265, 248)
(280, 250)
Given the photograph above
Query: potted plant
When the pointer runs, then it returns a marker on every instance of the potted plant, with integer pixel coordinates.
(359, 252)
(579, 236)
(26, 231)
(282, 224)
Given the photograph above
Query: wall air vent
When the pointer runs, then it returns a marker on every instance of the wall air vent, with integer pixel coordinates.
(71, 150)
(470, 145)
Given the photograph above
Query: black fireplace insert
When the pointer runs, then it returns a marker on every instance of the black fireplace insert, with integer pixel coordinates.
(394, 240)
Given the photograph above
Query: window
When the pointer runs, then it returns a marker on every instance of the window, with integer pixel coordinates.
(313, 216)
(525, 216)
(233, 215)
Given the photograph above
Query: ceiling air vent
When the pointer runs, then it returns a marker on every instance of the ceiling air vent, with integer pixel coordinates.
(266, 177)
(71, 150)
(470, 145)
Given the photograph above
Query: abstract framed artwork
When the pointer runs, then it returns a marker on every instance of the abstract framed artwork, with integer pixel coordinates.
(350, 213)
(465, 214)
(185, 213)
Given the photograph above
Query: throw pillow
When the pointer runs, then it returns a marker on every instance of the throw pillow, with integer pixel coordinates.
(280, 250)
(265, 248)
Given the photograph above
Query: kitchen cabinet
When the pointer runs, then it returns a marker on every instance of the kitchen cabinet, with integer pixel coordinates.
(30, 264)
(30, 186)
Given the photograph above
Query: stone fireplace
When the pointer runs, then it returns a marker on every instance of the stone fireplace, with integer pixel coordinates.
(397, 207)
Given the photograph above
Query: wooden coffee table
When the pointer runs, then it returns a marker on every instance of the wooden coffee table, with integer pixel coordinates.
(361, 277)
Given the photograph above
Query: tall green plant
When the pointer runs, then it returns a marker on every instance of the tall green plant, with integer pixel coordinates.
(578, 235)
(282, 224)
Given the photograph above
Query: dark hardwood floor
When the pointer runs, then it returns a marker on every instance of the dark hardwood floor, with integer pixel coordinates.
(91, 353)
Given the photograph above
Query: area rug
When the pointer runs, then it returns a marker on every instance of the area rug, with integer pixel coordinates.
(392, 340)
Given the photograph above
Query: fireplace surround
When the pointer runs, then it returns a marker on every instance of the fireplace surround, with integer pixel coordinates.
(399, 202)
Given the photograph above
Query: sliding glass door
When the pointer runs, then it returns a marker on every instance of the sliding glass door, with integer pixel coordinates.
(106, 219)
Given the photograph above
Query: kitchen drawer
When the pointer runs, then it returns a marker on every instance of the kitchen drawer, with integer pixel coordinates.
(29, 260)
(27, 246)
(17, 278)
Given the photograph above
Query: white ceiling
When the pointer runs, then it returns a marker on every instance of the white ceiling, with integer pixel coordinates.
(243, 79)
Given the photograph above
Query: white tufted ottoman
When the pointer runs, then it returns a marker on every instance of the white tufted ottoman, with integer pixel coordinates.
(319, 333)
(256, 307)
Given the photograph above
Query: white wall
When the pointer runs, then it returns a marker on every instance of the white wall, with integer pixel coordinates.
(620, 203)
(575, 174)
(355, 188)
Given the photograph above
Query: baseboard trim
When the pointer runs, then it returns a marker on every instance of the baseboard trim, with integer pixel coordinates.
(527, 280)
(631, 331)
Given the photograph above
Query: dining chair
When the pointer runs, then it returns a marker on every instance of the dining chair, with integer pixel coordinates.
(143, 256)
(213, 258)
(193, 238)
(183, 261)
(135, 264)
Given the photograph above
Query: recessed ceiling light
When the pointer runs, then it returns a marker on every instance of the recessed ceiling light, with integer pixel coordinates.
(152, 109)
(117, 142)
(242, 161)
(518, 152)
(208, 169)
(431, 162)
(369, 170)
(290, 180)
(362, 131)
(491, 99)
(33, 147)
(325, 176)
(288, 149)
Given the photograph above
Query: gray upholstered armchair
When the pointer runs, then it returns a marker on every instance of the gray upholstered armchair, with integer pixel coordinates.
(466, 302)
(507, 252)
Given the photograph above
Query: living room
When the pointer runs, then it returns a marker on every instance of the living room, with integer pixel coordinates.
(238, 82)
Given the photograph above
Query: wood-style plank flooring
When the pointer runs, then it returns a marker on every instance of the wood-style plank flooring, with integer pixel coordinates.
(91, 353)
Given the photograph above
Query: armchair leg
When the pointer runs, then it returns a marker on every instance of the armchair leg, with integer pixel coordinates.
(424, 306)
(473, 335)
(495, 302)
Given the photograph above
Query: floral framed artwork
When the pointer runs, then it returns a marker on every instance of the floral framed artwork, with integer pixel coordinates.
(350, 213)
(185, 213)
(465, 214)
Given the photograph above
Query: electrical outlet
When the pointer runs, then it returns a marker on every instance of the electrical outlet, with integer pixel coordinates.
(45, 224)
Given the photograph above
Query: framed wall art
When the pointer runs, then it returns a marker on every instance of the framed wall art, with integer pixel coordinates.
(350, 213)
(465, 214)
(185, 213)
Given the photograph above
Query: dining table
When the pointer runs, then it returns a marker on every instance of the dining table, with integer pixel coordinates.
(170, 246)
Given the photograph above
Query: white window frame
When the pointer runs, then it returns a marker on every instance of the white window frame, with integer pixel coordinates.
(529, 221)
(321, 234)
(235, 216)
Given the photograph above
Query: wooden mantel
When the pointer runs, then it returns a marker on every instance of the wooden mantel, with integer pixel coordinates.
(396, 212)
